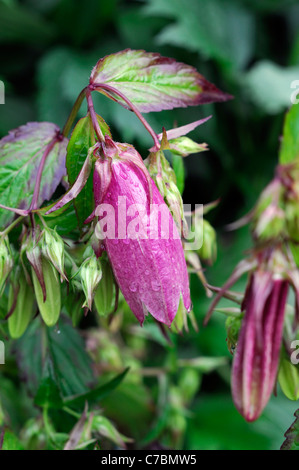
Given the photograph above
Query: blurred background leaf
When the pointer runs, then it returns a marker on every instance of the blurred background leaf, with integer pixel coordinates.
(248, 48)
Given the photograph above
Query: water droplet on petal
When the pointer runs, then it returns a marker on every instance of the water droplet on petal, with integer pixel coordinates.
(124, 175)
(155, 285)
(115, 241)
(126, 241)
(146, 272)
(133, 287)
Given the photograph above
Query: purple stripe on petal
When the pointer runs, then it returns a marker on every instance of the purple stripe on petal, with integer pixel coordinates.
(256, 359)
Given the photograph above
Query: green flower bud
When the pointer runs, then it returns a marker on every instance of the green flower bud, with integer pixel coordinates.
(189, 383)
(164, 177)
(208, 250)
(6, 262)
(50, 305)
(105, 428)
(180, 320)
(104, 294)
(288, 377)
(22, 295)
(232, 325)
(269, 220)
(53, 249)
(34, 255)
(90, 274)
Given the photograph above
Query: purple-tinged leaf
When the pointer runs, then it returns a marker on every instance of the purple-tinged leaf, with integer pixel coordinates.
(152, 82)
(183, 130)
(77, 431)
(16, 211)
(79, 183)
(21, 152)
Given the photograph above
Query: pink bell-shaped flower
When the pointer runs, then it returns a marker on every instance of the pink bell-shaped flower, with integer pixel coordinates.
(138, 232)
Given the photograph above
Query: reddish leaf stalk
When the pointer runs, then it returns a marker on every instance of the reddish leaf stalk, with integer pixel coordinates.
(94, 116)
(111, 89)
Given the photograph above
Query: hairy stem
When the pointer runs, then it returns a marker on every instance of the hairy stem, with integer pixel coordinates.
(111, 89)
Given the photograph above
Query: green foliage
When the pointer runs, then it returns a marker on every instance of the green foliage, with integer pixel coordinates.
(81, 140)
(292, 436)
(155, 386)
(289, 150)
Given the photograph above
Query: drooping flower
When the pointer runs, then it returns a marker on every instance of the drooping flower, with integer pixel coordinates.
(259, 342)
(257, 354)
(139, 235)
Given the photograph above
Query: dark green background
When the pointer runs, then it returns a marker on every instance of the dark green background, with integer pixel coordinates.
(248, 48)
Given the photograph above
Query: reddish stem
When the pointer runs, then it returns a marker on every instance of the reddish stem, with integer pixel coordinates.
(93, 116)
(111, 89)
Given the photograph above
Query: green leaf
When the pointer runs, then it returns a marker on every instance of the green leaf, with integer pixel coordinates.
(48, 394)
(289, 149)
(292, 435)
(179, 169)
(97, 393)
(152, 82)
(65, 222)
(81, 140)
(63, 347)
(269, 85)
(21, 152)
(11, 442)
(209, 27)
(17, 24)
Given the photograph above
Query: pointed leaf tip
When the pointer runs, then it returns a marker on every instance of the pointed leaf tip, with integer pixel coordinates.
(154, 83)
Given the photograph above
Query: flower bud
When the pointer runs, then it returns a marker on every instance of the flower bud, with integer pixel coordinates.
(288, 377)
(104, 294)
(232, 325)
(21, 302)
(165, 179)
(189, 383)
(53, 250)
(104, 427)
(150, 268)
(90, 274)
(269, 216)
(34, 255)
(257, 354)
(6, 261)
(49, 305)
(208, 250)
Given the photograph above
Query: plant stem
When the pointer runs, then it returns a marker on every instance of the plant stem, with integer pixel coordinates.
(111, 89)
(74, 112)
(12, 225)
(93, 116)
